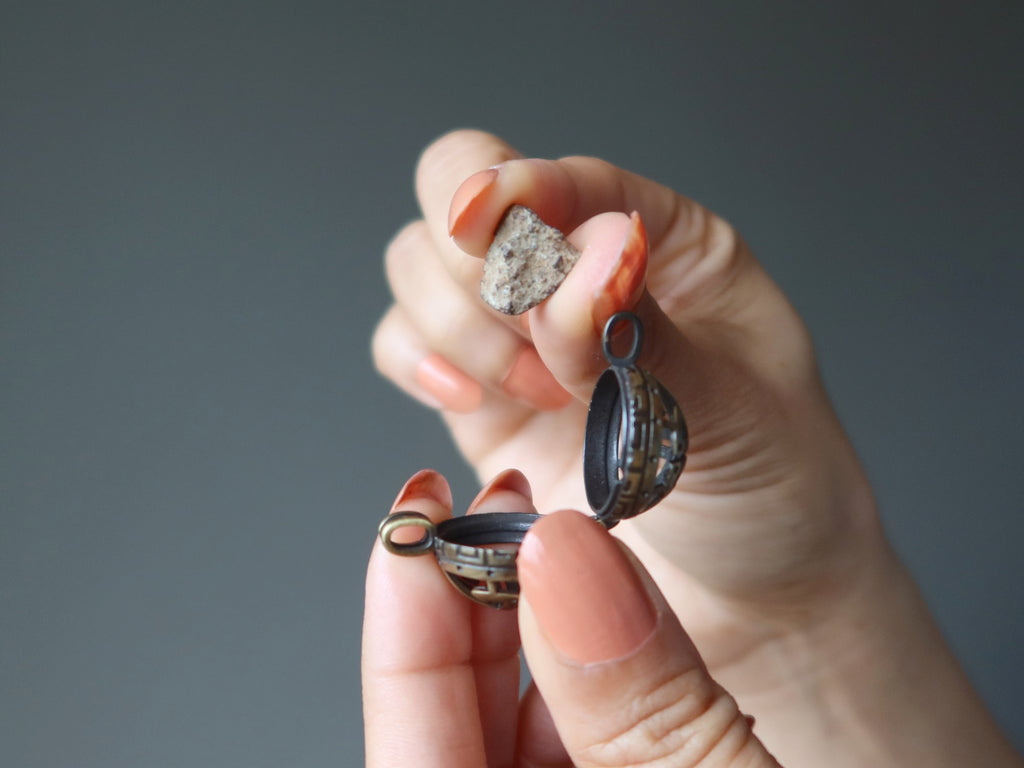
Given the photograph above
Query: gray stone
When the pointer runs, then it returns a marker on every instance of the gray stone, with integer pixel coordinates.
(525, 263)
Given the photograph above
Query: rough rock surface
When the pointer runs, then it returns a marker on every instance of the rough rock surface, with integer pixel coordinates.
(525, 263)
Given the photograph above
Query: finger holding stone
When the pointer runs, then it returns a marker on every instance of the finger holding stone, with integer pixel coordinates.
(450, 322)
(462, 330)
(564, 193)
(609, 277)
(443, 167)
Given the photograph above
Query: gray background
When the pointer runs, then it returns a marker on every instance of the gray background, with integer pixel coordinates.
(194, 200)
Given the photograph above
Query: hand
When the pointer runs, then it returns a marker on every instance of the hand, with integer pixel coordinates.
(616, 679)
(769, 550)
(772, 508)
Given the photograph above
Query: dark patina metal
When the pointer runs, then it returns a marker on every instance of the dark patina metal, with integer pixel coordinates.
(634, 449)
(635, 443)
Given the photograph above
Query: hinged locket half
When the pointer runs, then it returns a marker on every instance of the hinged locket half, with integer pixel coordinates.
(633, 453)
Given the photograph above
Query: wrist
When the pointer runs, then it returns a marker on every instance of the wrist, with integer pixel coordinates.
(872, 682)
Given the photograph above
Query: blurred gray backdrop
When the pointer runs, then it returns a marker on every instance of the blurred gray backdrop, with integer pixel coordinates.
(194, 200)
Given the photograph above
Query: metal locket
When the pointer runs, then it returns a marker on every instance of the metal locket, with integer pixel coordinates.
(633, 452)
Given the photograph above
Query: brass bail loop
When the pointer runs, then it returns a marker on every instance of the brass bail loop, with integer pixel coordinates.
(399, 520)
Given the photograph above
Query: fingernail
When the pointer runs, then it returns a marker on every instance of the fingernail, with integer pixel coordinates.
(624, 284)
(452, 388)
(509, 480)
(587, 598)
(425, 484)
(470, 197)
(530, 380)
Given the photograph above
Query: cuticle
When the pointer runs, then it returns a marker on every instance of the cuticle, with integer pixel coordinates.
(594, 667)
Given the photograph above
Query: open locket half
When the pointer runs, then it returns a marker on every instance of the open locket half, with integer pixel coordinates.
(633, 451)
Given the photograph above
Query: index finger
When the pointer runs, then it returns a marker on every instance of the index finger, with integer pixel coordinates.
(435, 665)
(441, 170)
(564, 193)
(419, 701)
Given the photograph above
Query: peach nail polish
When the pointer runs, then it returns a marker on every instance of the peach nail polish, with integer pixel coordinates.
(454, 389)
(425, 484)
(530, 380)
(585, 594)
(470, 197)
(509, 480)
(624, 284)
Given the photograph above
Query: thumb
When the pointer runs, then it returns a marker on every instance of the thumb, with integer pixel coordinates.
(622, 680)
(718, 330)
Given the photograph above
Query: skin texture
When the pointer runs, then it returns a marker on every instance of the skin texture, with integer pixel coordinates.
(769, 551)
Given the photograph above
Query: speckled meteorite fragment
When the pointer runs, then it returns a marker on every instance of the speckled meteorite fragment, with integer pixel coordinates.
(526, 262)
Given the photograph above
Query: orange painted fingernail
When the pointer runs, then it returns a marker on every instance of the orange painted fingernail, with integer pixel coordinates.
(530, 380)
(587, 597)
(624, 284)
(425, 484)
(509, 480)
(471, 195)
(454, 389)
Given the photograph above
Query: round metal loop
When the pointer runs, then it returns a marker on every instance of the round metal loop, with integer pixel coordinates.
(638, 338)
(392, 523)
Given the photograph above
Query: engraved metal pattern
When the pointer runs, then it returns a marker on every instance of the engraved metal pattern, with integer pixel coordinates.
(636, 438)
(634, 450)
(486, 574)
(481, 573)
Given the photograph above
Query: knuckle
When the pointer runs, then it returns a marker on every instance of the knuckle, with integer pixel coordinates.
(381, 342)
(407, 242)
(710, 255)
(687, 721)
(444, 153)
(455, 322)
(726, 256)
